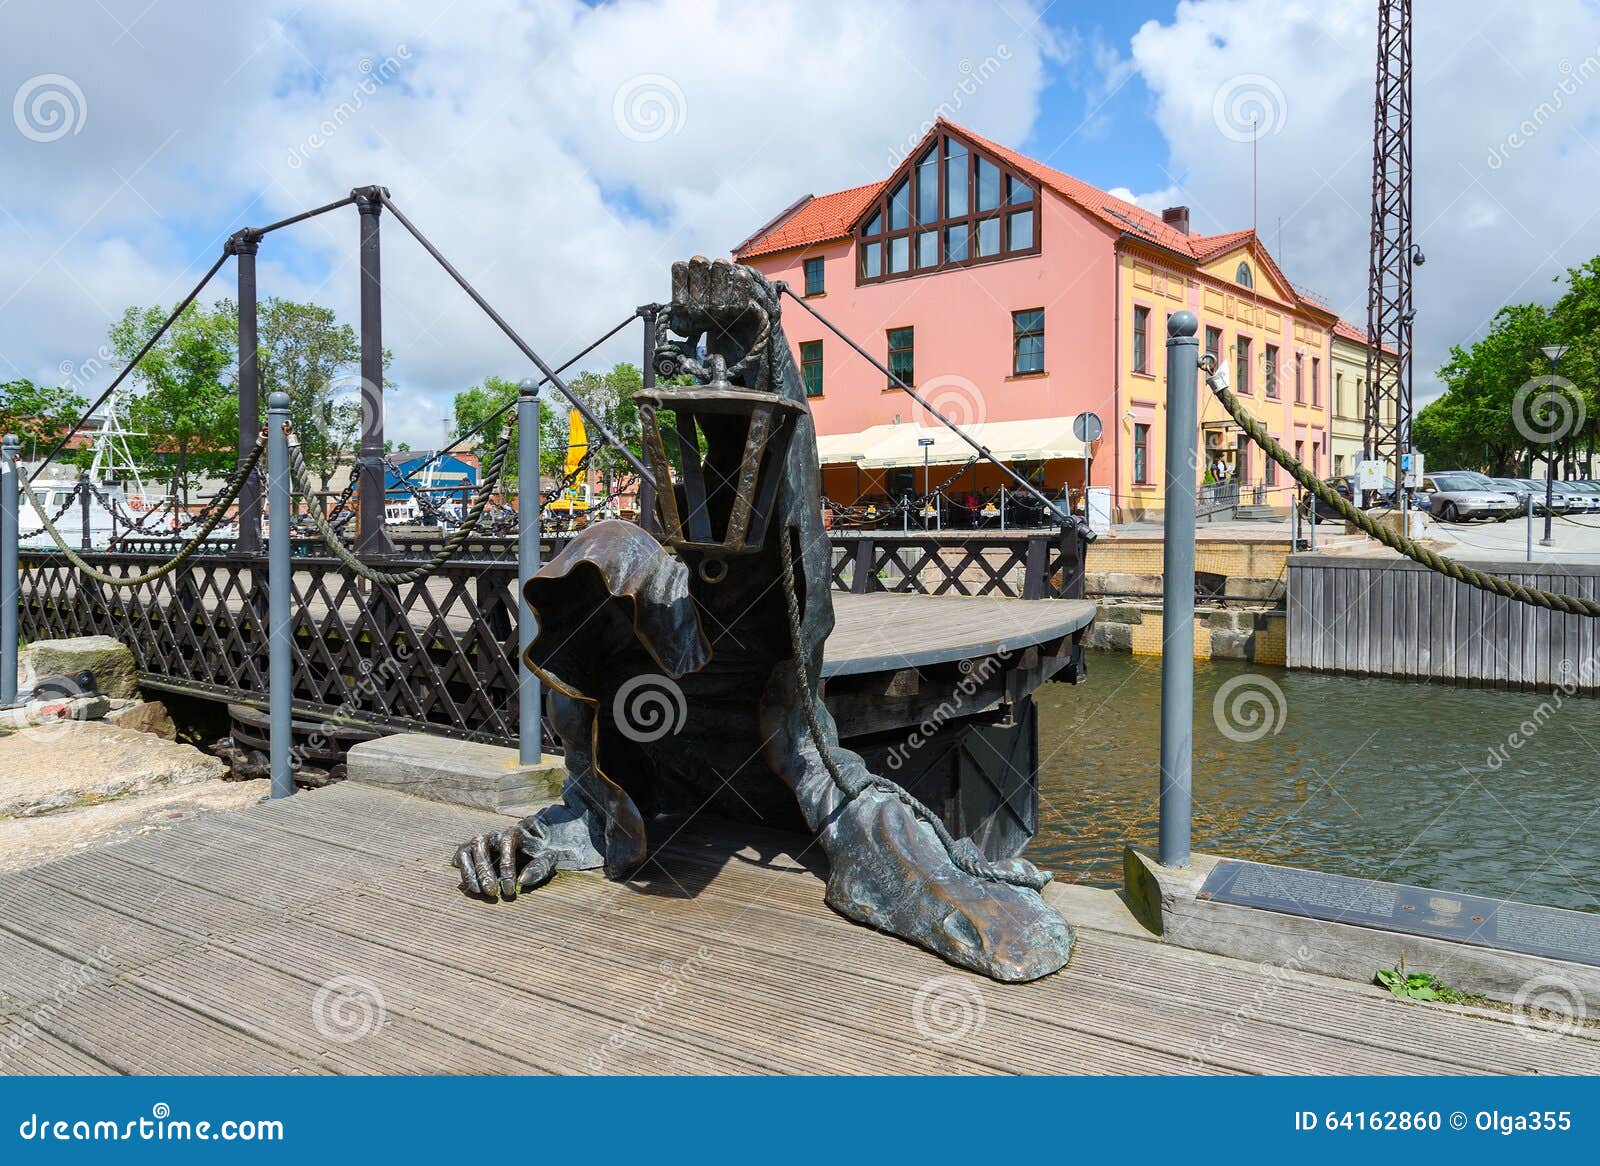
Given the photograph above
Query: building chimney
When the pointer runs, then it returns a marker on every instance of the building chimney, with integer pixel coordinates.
(1176, 217)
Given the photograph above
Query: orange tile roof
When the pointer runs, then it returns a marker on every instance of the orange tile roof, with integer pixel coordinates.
(830, 217)
(1350, 331)
(817, 220)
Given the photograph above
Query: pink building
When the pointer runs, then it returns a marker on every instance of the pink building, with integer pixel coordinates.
(1014, 297)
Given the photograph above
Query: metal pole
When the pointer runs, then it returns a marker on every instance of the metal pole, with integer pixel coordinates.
(1549, 493)
(280, 679)
(244, 246)
(529, 736)
(649, 313)
(1530, 526)
(83, 508)
(373, 540)
(925, 483)
(1177, 600)
(1311, 506)
(9, 582)
(1002, 505)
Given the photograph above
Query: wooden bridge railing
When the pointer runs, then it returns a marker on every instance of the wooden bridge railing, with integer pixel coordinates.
(436, 655)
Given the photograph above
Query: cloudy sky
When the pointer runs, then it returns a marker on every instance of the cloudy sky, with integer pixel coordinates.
(562, 153)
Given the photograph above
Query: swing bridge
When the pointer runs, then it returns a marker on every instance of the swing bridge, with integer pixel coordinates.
(393, 631)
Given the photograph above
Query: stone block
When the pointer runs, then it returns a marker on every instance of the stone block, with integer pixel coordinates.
(488, 777)
(110, 661)
(143, 716)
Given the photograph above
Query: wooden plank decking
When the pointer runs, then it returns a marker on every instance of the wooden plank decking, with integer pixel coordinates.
(222, 946)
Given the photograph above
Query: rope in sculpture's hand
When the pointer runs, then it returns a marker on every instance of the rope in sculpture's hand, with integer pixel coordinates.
(1410, 548)
(229, 495)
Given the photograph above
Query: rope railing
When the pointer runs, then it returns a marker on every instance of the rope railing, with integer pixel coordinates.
(1410, 548)
(447, 551)
(226, 498)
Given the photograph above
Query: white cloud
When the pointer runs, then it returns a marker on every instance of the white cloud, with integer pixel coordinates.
(496, 130)
(1497, 221)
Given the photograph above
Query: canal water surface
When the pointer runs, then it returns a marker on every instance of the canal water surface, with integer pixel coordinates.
(1472, 790)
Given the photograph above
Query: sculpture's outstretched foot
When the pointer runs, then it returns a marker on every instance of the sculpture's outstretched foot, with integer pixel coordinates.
(498, 864)
(890, 871)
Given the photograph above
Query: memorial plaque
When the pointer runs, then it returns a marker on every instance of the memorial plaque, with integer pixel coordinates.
(1496, 923)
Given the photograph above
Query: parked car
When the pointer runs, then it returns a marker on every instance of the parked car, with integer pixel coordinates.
(1345, 486)
(1587, 492)
(1459, 495)
(1563, 499)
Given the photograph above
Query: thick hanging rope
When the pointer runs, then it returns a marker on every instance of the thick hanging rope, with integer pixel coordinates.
(979, 868)
(451, 546)
(1497, 584)
(229, 495)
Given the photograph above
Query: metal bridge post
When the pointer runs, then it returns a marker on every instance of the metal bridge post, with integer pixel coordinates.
(530, 735)
(280, 678)
(9, 582)
(649, 313)
(83, 508)
(244, 246)
(373, 539)
(1177, 599)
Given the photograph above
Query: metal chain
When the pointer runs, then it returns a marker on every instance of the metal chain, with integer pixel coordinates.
(980, 868)
(1497, 584)
(56, 517)
(189, 548)
(448, 550)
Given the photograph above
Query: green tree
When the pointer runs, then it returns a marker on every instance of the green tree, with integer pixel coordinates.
(186, 409)
(473, 406)
(38, 414)
(306, 352)
(1474, 424)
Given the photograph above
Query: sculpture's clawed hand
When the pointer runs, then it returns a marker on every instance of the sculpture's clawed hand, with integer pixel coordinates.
(498, 864)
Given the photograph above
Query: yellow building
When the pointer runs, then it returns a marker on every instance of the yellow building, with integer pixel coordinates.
(1350, 395)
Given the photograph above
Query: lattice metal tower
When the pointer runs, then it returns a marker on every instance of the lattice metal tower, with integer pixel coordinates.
(1387, 415)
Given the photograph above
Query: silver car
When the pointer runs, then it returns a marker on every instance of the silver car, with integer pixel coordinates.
(1458, 495)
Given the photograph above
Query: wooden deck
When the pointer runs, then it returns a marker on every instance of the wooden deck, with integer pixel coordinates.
(223, 945)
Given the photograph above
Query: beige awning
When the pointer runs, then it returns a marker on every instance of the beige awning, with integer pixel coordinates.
(889, 446)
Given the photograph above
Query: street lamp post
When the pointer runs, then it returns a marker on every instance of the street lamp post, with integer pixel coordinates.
(926, 443)
(1553, 353)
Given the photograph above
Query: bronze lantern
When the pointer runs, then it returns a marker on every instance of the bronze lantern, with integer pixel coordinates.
(731, 441)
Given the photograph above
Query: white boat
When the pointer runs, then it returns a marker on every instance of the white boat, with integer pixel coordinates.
(53, 493)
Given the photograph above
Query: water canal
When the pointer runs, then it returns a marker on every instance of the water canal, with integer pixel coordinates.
(1385, 779)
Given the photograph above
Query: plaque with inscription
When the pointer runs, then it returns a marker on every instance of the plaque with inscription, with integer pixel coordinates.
(1497, 923)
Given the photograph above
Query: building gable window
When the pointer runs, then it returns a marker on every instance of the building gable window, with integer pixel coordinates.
(950, 207)
(814, 276)
(811, 367)
(1027, 341)
(901, 363)
(1242, 276)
